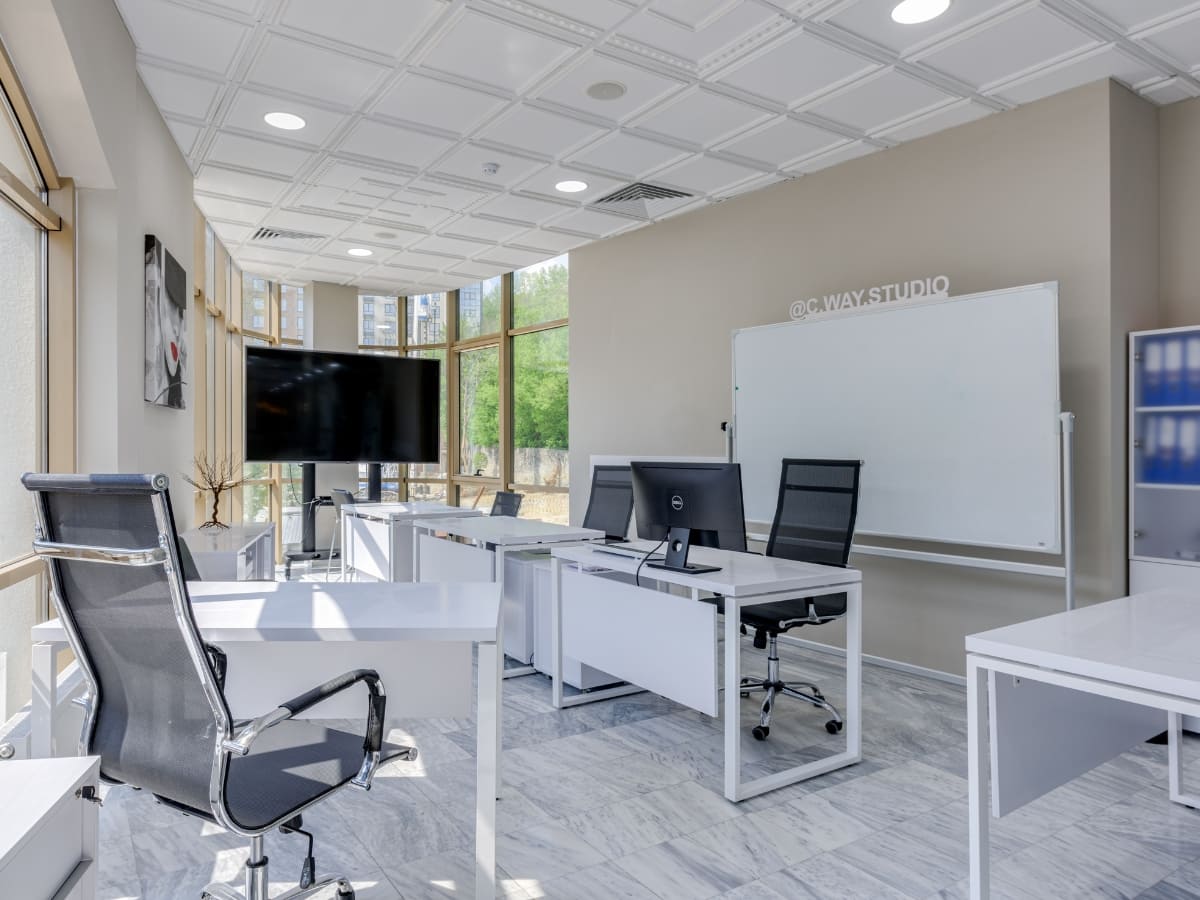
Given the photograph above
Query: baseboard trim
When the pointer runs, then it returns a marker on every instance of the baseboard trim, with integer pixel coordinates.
(882, 661)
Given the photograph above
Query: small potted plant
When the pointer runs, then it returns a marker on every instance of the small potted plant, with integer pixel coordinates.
(216, 477)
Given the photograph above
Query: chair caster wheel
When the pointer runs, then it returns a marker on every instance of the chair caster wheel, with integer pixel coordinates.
(833, 727)
(345, 895)
(760, 732)
(745, 694)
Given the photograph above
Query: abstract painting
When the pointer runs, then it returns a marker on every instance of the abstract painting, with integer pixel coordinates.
(166, 326)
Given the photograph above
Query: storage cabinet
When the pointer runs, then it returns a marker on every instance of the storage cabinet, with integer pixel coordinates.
(1164, 459)
(236, 553)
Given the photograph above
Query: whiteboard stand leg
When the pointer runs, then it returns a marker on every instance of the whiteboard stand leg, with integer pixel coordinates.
(1067, 421)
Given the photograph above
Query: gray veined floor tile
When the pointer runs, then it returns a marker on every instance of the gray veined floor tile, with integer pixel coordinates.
(603, 882)
(1164, 890)
(639, 773)
(623, 827)
(399, 830)
(570, 792)
(664, 732)
(693, 806)
(906, 862)
(755, 890)
(448, 875)
(452, 788)
(946, 829)
(1147, 819)
(544, 852)
(752, 843)
(586, 750)
(827, 877)
(815, 825)
(1186, 877)
(683, 870)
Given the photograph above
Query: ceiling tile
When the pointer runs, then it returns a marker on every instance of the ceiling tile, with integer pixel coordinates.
(185, 135)
(781, 141)
(872, 21)
(352, 176)
(339, 248)
(628, 155)
(1180, 40)
(469, 159)
(692, 14)
(411, 215)
(253, 153)
(492, 52)
(341, 264)
(1107, 62)
(477, 271)
(231, 210)
(589, 221)
(303, 68)
(703, 175)
(240, 185)
(173, 92)
(452, 246)
(382, 26)
(878, 100)
(603, 14)
(701, 117)
(797, 68)
(182, 35)
(400, 273)
(1007, 47)
(543, 133)
(326, 226)
(248, 108)
(1128, 15)
(642, 87)
(1170, 90)
(417, 260)
(506, 259)
(733, 25)
(940, 119)
(550, 241)
(380, 235)
(394, 146)
(846, 152)
(521, 209)
(544, 183)
(440, 193)
(230, 233)
(431, 101)
(483, 229)
(245, 7)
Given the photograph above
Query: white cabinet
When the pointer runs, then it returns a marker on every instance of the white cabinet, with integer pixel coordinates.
(236, 553)
(1164, 459)
(49, 830)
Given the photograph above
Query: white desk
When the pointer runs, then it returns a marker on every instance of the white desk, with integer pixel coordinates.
(236, 553)
(667, 643)
(1070, 691)
(283, 638)
(48, 833)
(490, 539)
(377, 538)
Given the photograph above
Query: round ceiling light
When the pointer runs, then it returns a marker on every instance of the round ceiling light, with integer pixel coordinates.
(571, 186)
(914, 12)
(606, 90)
(360, 251)
(286, 121)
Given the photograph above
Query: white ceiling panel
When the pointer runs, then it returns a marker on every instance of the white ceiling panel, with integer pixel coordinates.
(1170, 90)
(958, 113)
(539, 132)
(521, 209)
(549, 241)
(248, 153)
(475, 271)
(603, 14)
(382, 235)
(701, 117)
(326, 226)
(704, 175)
(174, 92)
(452, 246)
(1008, 46)
(245, 7)
(412, 215)
(231, 233)
(628, 155)
(879, 99)
(381, 26)
(343, 265)
(232, 210)
(182, 35)
(1107, 62)
(440, 193)
(736, 23)
(493, 52)
(782, 140)
(401, 273)
(642, 87)
(483, 229)
(848, 151)
(248, 108)
(544, 183)
(1180, 41)
(325, 75)
(340, 173)
(240, 185)
(872, 21)
(505, 259)
(692, 14)
(795, 69)
(417, 260)
(469, 159)
(1130, 14)
(593, 222)
(432, 101)
(394, 146)
(185, 134)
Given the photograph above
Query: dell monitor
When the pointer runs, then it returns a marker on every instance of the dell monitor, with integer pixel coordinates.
(686, 504)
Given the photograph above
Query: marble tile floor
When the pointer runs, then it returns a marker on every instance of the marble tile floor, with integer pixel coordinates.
(622, 799)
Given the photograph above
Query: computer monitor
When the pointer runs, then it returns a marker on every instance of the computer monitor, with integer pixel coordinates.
(689, 503)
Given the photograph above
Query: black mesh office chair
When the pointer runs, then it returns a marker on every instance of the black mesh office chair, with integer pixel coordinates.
(814, 522)
(610, 504)
(340, 497)
(506, 503)
(155, 712)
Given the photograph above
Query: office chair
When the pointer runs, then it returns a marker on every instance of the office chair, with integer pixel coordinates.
(155, 710)
(506, 503)
(610, 504)
(340, 497)
(814, 522)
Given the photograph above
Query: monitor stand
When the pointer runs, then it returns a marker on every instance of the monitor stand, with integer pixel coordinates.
(308, 516)
(374, 482)
(678, 543)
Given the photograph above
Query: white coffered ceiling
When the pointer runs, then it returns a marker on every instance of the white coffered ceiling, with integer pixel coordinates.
(407, 100)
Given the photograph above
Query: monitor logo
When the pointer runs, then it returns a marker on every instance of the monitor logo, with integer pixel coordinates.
(676, 502)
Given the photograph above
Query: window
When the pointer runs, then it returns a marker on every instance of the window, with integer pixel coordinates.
(426, 319)
(479, 411)
(389, 309)
(291, 297)
(378, 328)
(540, 293)
(479, 309)
(256, 304)
(539, 392)
(438, 470)
(258, 323)
(368, 307)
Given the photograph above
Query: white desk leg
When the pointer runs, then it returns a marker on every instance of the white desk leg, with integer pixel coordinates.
(556, 660)
(978, 758)
(90, 848)
(854, 619)
(1175, 762)
(44, 701)
(487, 768)
(733, 698)
(416, 553)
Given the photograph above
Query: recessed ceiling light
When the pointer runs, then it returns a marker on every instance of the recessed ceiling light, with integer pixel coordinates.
(914, 12)
(606, 90)
(360, 251)
(286, 121)
(571, 187)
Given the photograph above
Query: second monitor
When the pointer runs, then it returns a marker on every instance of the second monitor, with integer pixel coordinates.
(689, 504)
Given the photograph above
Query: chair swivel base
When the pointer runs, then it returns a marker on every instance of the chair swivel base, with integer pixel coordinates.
(775, 686)
(227, 892)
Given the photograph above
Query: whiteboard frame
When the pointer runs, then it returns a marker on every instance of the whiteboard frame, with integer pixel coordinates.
(1060, 527)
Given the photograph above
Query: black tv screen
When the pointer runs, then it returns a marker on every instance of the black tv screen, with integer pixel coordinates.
(311, 406)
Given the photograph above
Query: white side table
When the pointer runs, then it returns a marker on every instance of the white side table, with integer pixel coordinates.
(236, 553)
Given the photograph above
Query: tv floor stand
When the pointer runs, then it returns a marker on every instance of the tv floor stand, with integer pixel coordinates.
(308, 504)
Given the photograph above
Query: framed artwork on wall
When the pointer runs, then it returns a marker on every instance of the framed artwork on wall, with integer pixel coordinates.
(166, 326)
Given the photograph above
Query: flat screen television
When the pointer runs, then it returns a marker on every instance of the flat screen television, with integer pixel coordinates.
(314, 406)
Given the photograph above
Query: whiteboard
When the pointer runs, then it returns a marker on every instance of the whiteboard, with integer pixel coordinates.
(952, 404)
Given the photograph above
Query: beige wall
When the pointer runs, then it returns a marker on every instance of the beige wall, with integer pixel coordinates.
(1179, 222)
(1016, 198)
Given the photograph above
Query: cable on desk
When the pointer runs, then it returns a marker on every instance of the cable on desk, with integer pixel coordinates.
(649, 553)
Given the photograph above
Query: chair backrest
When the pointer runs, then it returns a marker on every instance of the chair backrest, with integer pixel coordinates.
(814, 517)
(610, 504)
(341, 497)
(506, 504)
(157, 713)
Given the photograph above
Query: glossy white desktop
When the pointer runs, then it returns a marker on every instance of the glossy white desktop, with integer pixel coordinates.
(282, 638)
(1070, 691)
(377, 538)
(667, 643)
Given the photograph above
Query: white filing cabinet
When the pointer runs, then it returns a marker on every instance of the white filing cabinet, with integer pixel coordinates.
(236, 553)
(48, 833)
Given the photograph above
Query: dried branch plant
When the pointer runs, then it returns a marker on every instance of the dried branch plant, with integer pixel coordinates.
(215, 476)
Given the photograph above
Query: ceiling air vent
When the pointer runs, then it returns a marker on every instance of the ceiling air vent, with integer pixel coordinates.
(286, 237)
(644, 200)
